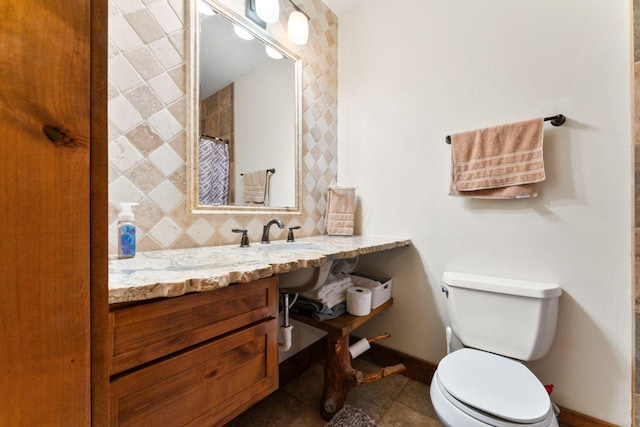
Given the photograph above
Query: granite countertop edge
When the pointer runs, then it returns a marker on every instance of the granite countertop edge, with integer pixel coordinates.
(175, 272)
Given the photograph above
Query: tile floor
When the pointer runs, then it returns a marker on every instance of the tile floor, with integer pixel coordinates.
(394, 401)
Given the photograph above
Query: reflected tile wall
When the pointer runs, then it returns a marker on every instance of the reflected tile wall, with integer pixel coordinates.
(147, 119)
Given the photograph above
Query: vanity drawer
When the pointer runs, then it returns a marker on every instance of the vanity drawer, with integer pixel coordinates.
(207, 385)
(148, 331)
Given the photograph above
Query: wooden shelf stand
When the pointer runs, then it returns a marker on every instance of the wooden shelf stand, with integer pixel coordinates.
(339, 375)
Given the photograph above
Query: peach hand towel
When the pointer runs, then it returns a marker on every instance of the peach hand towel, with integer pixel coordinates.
(255, 187)
(341, 208)
(501, 162)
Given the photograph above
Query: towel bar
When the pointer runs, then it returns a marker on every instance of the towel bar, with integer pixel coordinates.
(214, 138)
(557, 120)
(272, 170)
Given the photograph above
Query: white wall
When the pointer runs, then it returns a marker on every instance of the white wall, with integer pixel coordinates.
(411, 74)
(265, 128)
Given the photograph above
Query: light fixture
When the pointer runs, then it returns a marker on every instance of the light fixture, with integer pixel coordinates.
(242, 33)
(272, 52)
(268, 10)
(298, 28)
(263, 11)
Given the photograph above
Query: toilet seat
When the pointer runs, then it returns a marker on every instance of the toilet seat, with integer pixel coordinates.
(482, 418)
(493, 389)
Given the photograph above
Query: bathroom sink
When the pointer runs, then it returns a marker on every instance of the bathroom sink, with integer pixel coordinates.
(293, 247)
(304, 279)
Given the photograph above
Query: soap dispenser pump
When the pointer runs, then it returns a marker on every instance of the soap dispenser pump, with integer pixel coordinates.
(126, 231)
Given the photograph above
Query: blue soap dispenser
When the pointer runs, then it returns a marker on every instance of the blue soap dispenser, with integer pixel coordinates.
(126, 231)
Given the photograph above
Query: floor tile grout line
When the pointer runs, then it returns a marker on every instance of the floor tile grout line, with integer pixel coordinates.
(394, 400)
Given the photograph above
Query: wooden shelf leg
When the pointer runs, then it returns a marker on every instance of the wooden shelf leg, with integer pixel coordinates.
(339, 376)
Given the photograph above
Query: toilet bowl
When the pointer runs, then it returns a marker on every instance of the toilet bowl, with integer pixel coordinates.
(473, 388)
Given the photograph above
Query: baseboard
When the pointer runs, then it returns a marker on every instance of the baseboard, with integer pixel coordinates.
(569, 418)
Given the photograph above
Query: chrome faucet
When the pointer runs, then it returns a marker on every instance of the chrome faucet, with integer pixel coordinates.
(266, 228)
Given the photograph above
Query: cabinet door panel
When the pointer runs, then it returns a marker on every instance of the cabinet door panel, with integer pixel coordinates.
(214, 381)
(149, 331)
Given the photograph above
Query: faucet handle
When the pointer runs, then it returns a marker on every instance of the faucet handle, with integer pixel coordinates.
(290, 237)
(244, 240)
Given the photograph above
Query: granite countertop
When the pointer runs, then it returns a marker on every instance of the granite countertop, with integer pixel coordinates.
(176, 272)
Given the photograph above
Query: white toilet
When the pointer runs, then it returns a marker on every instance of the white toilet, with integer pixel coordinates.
(497, 320)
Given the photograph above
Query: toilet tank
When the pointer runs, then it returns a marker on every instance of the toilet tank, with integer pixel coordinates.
(514, 318)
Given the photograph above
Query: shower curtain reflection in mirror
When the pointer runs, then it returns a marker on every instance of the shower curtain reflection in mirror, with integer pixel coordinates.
(213, 171)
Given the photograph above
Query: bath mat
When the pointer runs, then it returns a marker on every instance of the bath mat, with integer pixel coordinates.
(349, 416)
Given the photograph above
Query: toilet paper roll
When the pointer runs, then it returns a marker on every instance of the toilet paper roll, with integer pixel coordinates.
(356, 349)
(358, 301)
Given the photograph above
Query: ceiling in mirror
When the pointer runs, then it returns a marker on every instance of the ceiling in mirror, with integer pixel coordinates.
(245, 101)
(229, 57)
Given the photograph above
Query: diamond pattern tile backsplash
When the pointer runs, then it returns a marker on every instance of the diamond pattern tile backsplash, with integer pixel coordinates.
(147, 119)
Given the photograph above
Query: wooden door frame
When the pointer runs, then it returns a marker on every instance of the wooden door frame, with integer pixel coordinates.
(99, 274)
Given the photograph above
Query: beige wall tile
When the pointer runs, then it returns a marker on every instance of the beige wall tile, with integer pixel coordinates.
(144, 138)
(165, 125)
(145, 176)
(177, 109)
(165, 232)
(122, 74)
(122, 35)
(123, 154)
(122, 114)
(166, 89)
(144, 100)
(165, 53)
(144, 25)
(179, 144)
(127, 6)
(144, 62)
(148, 214)
(165, 16)
(146, 244)
(165, 159)
(178, 75)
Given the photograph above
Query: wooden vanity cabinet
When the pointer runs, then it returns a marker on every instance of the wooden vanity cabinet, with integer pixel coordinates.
(198, 359)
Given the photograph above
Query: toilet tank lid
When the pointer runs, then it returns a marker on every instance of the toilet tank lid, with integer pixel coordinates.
(501, 285)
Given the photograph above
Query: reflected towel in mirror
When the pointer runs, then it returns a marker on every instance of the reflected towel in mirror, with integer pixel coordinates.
(256, 187)
(213, 173)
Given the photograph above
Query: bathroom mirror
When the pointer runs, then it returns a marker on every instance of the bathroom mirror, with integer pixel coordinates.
(245, 117)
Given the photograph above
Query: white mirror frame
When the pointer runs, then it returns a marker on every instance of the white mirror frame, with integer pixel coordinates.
(193, 112)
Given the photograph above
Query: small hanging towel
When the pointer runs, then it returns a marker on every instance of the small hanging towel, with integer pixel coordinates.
(501, 162)
(341, 208)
